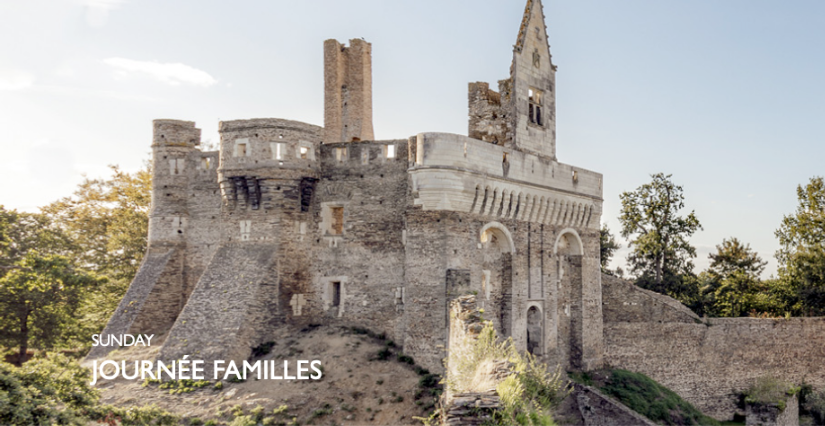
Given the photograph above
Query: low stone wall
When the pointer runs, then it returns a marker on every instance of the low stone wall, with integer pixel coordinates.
(708, 363)
(626, 302)
(598, 409)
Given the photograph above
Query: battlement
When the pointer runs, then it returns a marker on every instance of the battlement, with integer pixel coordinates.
(355, 155)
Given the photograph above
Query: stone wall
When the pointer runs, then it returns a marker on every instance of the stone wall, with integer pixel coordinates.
(133, 305)
(231, 297)
(368, 181)
(489, 115)
(707, 361)
(627, 302)
(597, 409)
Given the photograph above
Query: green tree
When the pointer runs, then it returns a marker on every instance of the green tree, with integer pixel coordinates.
(29, 231)
(802, 248)
(108, 222)
(661, 255)
(38, 301)
(732, 256)
(607, 247)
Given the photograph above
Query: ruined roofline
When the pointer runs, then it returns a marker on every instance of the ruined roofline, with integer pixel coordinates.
(376, 142)
(265, 123)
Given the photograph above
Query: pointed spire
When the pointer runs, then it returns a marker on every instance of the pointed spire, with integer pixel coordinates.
(525, 23)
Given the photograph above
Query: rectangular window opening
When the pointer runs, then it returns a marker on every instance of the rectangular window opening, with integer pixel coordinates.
(240, 150)
(340, 154)
(535, 106)
(390, 151)
(336, 294)
(303, 152)
(337, 227)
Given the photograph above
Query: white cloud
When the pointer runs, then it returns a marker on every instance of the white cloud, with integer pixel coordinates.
(173, 74)
(12, 79)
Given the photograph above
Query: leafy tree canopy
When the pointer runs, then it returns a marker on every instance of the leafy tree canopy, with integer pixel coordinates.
(733, 256)
(661, 254)
(38, 301)
(108, 221)
(802, 247)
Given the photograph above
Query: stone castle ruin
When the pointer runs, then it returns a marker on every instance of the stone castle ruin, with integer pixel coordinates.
(289, 222)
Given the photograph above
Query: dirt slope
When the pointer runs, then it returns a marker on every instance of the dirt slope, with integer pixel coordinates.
(358, 387)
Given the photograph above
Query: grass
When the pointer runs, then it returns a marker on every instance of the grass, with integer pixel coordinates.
(656, 402)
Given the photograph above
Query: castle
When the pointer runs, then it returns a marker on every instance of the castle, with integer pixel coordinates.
(292, 223)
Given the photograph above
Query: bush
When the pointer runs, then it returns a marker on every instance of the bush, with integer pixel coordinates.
(45, 391)
(262, 349)
(769, 391)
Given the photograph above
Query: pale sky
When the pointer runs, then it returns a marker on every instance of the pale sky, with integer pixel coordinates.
(727, 96)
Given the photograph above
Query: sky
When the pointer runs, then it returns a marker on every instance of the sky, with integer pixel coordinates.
(728, 97)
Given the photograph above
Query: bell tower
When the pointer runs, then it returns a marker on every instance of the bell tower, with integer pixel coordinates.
(533, 90)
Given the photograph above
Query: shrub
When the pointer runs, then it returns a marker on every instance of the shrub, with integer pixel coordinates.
(405, 359)
(384, 354)
(262, 349)
(769, 391)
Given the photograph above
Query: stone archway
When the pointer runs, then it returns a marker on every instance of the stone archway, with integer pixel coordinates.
(568, 252)
(497, 248)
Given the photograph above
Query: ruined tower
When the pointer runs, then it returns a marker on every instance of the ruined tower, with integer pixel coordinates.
(347, 91)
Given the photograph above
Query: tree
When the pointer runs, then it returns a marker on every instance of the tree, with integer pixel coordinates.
(108, 221)
(732, 256)
(731, 286)
(661, 253)
(607, 246)
(38, 300)
(802, 247)
(29, 231)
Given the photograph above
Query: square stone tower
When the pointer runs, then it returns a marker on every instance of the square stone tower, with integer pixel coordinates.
(347, 91)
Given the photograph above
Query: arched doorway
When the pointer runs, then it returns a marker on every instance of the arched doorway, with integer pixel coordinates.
(497, 274)
(568, 252)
